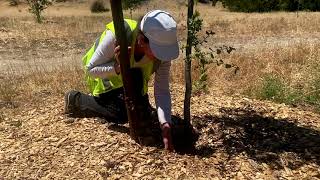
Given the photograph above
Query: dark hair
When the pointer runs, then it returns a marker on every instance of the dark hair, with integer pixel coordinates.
(146, 40)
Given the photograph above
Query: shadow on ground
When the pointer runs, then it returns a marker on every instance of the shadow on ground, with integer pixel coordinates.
(184, 137)
(276, 142)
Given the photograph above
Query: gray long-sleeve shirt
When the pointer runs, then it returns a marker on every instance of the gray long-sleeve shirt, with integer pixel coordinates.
(102, 65)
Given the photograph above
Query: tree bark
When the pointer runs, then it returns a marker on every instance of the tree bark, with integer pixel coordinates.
(188, 81)
(127, 79)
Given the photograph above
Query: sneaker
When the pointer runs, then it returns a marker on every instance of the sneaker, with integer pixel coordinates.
(71, 100)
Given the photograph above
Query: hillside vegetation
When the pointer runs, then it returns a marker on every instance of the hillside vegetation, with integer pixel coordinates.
(271, 5)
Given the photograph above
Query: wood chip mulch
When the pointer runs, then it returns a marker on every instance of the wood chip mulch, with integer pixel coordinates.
(240, 139)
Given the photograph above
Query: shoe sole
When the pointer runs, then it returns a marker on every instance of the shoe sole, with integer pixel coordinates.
(66, 103)
(67, 107)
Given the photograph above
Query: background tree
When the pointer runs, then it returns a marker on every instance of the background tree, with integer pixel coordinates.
(14, 2)
(98, 6)
(37, 6)
(271, 5)
(131, 4)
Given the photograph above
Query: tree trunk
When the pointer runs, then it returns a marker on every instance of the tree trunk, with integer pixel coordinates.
(187, 67)
(128, 83)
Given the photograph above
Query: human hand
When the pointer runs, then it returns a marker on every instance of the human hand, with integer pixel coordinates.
(166, 136)
(117, 53)
(117, 57)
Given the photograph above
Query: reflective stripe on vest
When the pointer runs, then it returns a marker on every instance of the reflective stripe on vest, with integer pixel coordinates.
(98, 85)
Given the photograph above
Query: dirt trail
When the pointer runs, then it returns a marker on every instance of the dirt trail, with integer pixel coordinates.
(240, 138)
(52, 55)
(21, 56)
(250, 44)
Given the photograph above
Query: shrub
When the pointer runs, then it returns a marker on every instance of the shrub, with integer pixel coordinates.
(313, 96)
(98, 6)
(271, 5)
(131, 4)
(14, 2)
(37, 6)
(272, 88)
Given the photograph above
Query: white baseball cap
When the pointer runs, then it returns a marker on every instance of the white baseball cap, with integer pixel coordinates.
(161, 30)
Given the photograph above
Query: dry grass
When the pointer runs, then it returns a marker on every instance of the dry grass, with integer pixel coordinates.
(279, 43)
(37, 83)
(296, 63)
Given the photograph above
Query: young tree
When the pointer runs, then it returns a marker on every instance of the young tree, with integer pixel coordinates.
(187, 67)
(195, 42)
(37, 6)
(131, 4)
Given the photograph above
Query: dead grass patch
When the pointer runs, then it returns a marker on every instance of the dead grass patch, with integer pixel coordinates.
(34, 85)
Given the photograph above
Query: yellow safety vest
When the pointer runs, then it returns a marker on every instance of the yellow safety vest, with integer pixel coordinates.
(98, 85)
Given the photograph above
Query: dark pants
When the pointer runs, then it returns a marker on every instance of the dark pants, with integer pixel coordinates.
(110, 106)
(114, 106)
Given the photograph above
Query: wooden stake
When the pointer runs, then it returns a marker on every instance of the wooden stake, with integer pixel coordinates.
(130, 96)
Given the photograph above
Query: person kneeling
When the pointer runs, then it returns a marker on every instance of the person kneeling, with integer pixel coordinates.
(153, 46)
